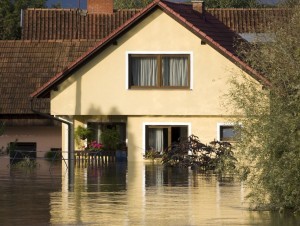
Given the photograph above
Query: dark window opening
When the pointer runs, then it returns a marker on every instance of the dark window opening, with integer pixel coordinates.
(159, 138)
(18, 151)
(227, 133)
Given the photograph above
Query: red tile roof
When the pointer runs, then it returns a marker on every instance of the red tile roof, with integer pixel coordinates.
(210, 30)
(54, 24)
(250, 20)
(27, 65)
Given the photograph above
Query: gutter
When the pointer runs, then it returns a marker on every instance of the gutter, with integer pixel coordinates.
(70, 139)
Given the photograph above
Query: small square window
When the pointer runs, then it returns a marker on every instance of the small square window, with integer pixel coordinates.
(227, 133)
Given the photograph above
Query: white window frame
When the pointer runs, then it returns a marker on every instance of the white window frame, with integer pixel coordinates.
(145, 124)
(190, 53)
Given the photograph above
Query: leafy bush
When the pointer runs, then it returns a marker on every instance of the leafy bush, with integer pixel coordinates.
(53, 155)
(110, 139)
(217, 156)
(269, 151)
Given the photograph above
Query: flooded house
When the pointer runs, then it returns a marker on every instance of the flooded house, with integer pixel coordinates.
(154, 74)
(158, 77)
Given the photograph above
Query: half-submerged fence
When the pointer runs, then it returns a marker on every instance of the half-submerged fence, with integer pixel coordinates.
(99, 157)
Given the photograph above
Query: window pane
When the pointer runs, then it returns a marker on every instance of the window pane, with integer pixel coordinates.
(156, 139)
(175, 71)
(227, 133)
(143, 71)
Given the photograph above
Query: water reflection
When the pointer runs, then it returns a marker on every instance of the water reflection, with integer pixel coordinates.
(125, 194)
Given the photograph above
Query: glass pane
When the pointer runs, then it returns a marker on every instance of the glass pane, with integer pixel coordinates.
(175, 71)
(143, 71)
(156, 139)
(227, 133)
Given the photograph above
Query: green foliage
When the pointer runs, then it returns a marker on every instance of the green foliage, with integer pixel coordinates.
(56, 5)
(2, 125)
(269, 150)
(10, 16)
(53, 155)
(152, 154)
(131, 4)
(190, 152)
(231, 3)
(82, 133)
(25, 163)
(110, 139)
(11, 147)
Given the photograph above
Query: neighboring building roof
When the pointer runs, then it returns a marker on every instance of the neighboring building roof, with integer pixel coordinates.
(210, 29)
(250, 20)
(54, 24)
(27, 65)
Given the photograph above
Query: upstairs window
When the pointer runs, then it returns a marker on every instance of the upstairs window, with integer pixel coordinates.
(159, 71)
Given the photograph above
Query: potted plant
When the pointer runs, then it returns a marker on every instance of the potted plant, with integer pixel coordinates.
(111, 141)
(81, 133)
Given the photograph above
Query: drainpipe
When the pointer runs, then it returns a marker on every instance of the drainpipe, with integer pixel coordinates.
(70, 142)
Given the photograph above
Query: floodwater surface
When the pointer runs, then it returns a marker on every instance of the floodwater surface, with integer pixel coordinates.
(124, 194)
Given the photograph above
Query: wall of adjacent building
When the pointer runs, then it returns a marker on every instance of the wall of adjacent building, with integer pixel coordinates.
(45, 137)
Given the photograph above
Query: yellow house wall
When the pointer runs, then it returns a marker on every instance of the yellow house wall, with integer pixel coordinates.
(203, 127)
(99, 87)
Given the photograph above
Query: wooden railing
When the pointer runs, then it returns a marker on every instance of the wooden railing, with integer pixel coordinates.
(94, 157)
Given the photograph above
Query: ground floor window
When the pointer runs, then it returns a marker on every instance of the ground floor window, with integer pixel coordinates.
(159, 137)
(227, 132)
(20, 150)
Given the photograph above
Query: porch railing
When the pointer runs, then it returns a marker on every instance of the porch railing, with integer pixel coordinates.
(83, 157)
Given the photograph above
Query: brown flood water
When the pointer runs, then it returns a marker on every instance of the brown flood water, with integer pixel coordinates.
(125, 194)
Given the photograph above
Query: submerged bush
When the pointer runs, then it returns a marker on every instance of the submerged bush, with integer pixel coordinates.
(27, 162)
(53, 155)
(190, 152)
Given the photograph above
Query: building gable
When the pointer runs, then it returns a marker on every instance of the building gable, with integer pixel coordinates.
(100, 86)
(207, 28)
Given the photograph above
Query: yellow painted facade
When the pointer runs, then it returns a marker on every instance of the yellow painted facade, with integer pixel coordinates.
(100, 87)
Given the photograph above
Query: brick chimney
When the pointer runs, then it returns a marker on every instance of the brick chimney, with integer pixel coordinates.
(100, 6)
(199, 6)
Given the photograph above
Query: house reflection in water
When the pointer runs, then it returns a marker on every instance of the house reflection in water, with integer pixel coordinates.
(138, 193)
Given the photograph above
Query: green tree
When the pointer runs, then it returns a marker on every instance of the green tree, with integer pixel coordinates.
(231, 3)
(10, 16)
(269, 148)
(2, 125)
(131, 4)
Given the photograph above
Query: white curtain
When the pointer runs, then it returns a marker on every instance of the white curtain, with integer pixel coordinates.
(143, 71)
(156, 139)
(175, 71)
